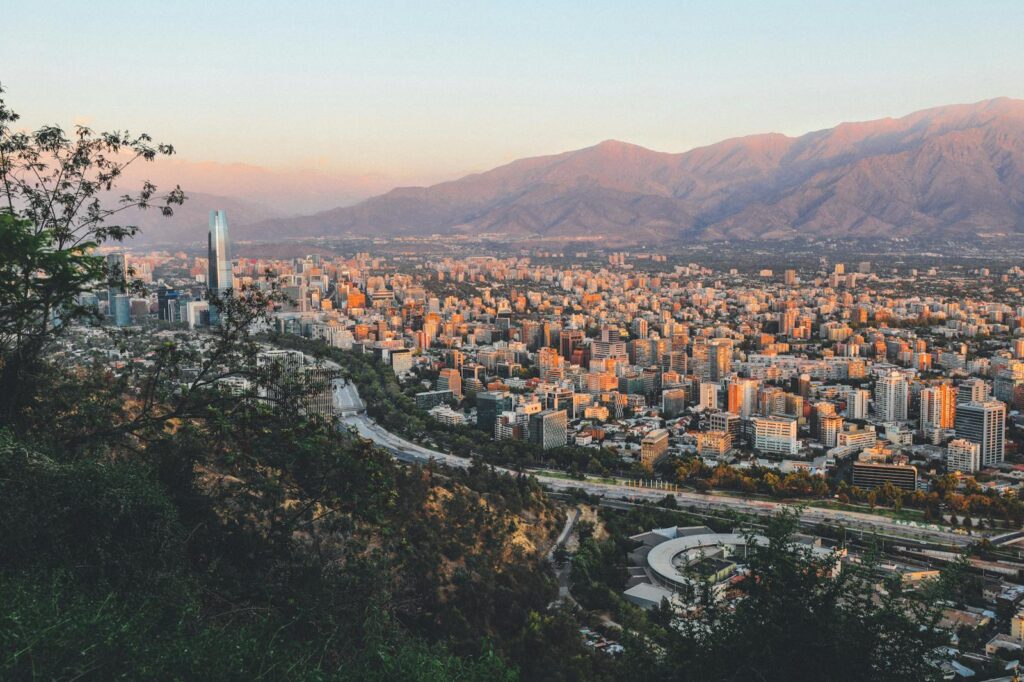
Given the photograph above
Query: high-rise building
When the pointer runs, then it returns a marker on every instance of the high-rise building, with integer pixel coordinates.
(319, 384)
(709, 395)
(963, 455)
(118, 302)
(938, 410)
(719, 358)
(568, 340)
(449, 379)
(549, 428)
(984, 423)
(673, 402)
(728, 423)
(120, 310)
(653, 447)
(117, 274)
(857, 404)
(891, 392)
(830, 426)
(775, 435)
(219, 278)
(610, 345)
(401, 361)
(490, 404)
(973, 391)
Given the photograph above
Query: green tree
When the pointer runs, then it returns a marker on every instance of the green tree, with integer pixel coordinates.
(60, 187)
(840, 625)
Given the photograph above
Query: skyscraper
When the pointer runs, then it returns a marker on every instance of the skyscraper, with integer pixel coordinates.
(891, 397)
(719, 358)
(219, 279)
(549, 428)
(938, 410)
(117, 300)
(984, 423)
(219, 253)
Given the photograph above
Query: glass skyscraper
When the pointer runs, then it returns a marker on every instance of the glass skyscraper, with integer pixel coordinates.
(219, 279)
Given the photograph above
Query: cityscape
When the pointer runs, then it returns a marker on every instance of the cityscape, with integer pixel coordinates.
(469, 406)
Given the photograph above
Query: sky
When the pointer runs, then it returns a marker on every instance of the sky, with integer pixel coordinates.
(420, 91)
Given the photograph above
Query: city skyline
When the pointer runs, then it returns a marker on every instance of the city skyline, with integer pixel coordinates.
(723, 327)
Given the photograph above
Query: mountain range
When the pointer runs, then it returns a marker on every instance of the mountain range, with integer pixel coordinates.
(951, 171)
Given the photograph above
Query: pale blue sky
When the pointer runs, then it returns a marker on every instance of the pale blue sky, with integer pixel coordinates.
(438, 88)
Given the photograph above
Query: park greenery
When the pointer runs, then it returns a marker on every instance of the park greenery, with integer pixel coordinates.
(951, 495)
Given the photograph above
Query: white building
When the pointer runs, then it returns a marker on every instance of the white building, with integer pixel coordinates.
(775, 434)
(447, 415)
(963, 455)
(891, 392)
(857, 404)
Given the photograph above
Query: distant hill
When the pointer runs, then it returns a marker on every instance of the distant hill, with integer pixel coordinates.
(947, 171)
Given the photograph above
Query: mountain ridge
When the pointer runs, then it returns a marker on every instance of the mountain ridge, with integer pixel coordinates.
(948, 170)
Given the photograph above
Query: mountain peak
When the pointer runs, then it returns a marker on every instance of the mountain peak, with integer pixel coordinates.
(618, 147)
(946, 171)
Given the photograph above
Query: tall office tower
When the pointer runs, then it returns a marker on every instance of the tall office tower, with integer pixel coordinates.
(803, 386)
(891, 397)
(450, 380)
(787, 321)
(489, 405)
(117, 274)
(120, 310)
(545, 334)
(219, 280)
(984, 423)
(938, 410)
(219, 253)
(818, 412)
(973, 391)
(699, 362)
(550, 364)
(118, 302)
(728, 423)
(455, 359)
(720, 358)
(530, 334)
(673, 361)
(549, 428)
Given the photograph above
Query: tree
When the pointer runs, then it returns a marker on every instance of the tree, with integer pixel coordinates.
(841, 626)
(59, 187)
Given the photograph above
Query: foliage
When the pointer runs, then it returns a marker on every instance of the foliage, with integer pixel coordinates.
(59, 187)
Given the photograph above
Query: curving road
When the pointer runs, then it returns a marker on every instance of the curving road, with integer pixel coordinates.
(353, 414)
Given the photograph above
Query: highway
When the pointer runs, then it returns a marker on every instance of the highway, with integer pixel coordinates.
(352, 412)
